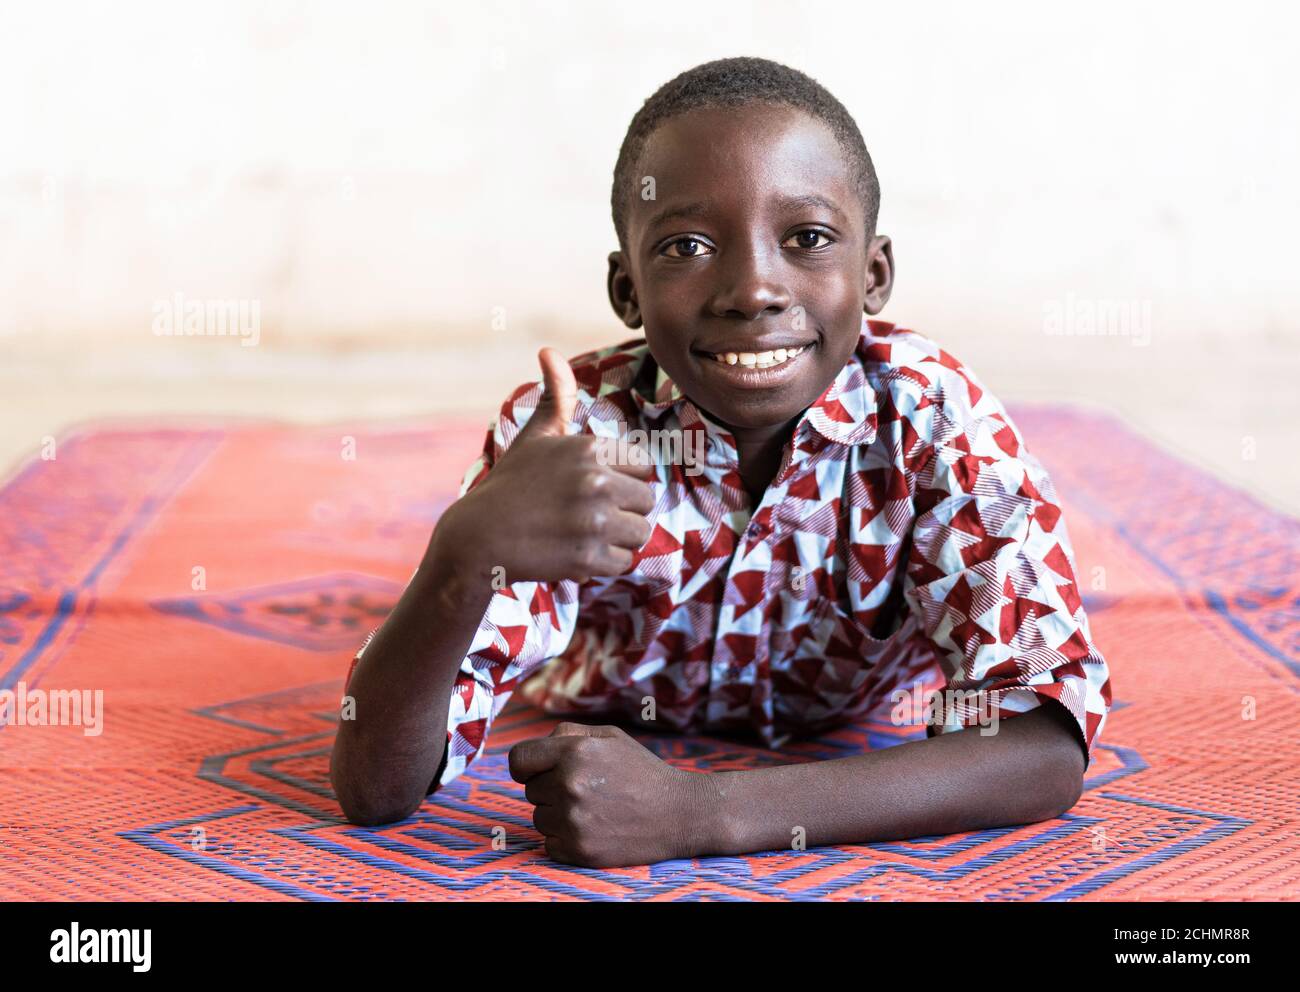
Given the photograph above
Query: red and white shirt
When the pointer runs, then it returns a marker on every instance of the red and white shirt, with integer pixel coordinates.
(907, 527)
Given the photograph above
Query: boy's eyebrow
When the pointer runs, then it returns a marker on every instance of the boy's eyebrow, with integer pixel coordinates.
(699, 208)
(810, 200)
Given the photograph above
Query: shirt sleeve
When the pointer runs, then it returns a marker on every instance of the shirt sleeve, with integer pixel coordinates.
(991, 575)
(526, 624)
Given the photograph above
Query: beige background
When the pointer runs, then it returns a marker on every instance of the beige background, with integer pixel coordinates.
(385, 179)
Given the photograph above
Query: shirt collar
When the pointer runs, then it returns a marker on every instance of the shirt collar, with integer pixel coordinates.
(845, 413)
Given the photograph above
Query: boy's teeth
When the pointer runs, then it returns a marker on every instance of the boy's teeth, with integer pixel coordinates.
(758, 359)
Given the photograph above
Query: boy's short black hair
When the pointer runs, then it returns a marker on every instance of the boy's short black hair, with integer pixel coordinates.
(732, 83)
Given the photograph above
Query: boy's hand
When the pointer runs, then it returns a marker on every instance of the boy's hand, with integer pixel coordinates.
(602, 800)
(555, 506)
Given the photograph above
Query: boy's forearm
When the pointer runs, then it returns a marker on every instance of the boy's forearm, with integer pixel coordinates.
(385, 758)
(1030, 770)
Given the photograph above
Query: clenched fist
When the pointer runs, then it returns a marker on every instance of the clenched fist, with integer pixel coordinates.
(604, 801)
(555, 506)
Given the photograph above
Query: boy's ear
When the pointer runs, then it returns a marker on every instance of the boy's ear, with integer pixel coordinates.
(879, 275)
(622, 294)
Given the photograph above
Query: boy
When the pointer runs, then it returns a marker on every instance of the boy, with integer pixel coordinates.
(856, 509)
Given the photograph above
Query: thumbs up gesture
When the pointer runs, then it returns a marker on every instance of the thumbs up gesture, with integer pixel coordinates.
(559, 397)
(555, 506)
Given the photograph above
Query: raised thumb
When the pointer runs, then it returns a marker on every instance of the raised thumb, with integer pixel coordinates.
(559, 396)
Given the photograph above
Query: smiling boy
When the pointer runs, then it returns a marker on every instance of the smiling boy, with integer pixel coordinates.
(865, 513)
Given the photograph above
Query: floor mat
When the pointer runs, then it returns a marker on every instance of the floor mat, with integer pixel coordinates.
(214, 581)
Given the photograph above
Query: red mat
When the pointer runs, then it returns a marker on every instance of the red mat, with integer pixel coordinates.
(214, 583)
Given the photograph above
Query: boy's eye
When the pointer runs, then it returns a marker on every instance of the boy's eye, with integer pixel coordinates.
(686, 248)
(808, 240)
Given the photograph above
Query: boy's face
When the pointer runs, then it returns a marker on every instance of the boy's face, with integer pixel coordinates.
(754, 241)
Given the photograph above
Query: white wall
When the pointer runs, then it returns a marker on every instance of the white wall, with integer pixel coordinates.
(376, 173)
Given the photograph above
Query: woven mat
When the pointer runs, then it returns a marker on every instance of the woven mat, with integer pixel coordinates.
(214, 581)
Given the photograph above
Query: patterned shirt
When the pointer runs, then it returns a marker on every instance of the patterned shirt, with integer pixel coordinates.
(907, 528)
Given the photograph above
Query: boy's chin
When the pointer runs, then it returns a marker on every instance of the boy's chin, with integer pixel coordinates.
(754, 398)
(751, 418)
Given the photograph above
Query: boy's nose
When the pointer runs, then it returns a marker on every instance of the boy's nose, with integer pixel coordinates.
(748, 287)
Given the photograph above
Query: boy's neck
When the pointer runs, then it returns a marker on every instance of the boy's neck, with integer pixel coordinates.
(760, 450)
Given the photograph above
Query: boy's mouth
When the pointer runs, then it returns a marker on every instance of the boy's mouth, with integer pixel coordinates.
(756, 359)
(755, 368)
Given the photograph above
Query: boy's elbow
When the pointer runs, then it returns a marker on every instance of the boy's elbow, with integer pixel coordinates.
(371, 807)
(1063, 780)
(1061, 763)
(374, 811)
(1069, 788)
